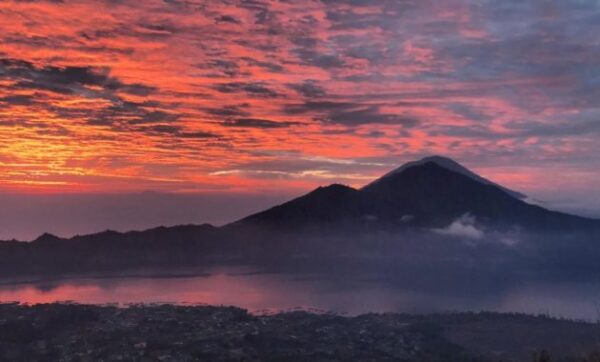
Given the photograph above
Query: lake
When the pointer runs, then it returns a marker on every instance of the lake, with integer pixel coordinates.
(272, 292)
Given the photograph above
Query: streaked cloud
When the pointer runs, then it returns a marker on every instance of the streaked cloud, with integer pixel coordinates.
(249, 95)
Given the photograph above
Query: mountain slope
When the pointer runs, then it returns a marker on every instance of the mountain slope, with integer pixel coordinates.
(334, 204)
(435, 196)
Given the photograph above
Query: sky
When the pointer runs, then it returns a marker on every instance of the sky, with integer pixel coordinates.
(256, 101)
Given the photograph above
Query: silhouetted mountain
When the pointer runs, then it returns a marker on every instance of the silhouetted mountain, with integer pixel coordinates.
(430, 193)
(435, 196)
(409, 213)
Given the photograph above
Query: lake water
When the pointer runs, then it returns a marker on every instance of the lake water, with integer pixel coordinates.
(270, 292)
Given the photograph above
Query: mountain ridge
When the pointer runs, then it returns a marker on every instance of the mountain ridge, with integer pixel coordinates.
(400, 198)
(426, 212)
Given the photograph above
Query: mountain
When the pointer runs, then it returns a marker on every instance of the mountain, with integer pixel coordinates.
(429, 193)
(407, 214)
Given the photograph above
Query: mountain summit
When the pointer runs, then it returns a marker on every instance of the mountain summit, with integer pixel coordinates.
(432, 192)
(450, 165)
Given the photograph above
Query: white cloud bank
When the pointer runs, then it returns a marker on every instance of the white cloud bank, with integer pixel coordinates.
(463, 227)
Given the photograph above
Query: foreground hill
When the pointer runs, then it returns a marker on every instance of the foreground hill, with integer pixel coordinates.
(176, 333)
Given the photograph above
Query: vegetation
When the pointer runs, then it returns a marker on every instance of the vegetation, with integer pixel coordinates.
(70, 332)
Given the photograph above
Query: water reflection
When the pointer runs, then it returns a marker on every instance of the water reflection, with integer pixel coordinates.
(261, 292)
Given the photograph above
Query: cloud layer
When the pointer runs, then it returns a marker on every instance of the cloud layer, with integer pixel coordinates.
(185, 95)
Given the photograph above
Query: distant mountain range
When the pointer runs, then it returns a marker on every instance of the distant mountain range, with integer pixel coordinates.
(422, 197)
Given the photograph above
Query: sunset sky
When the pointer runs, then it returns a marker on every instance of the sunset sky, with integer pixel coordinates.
(238, 99)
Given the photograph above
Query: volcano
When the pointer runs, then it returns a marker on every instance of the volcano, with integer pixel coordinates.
(429, 193)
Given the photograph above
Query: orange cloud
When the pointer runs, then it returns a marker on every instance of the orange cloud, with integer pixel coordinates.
(188, 96)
